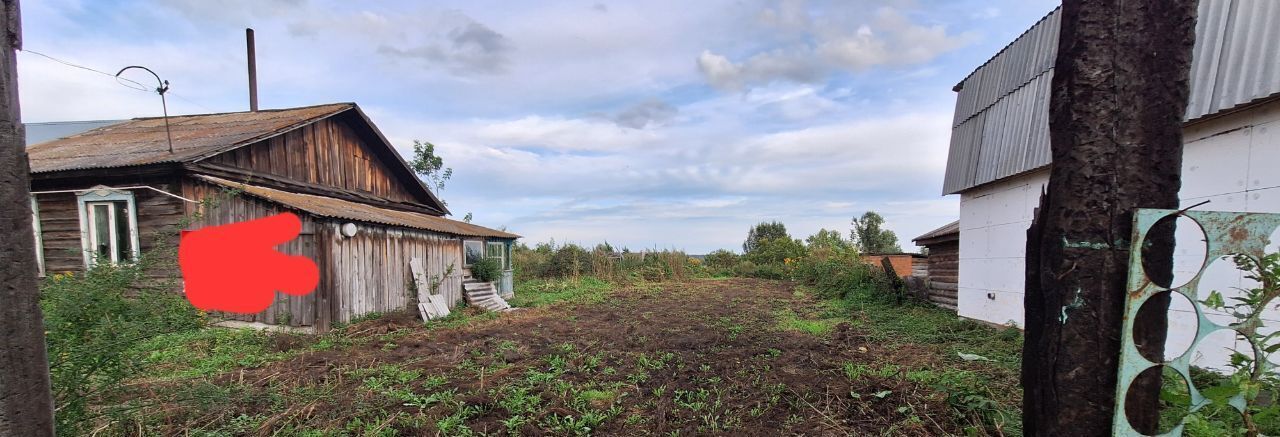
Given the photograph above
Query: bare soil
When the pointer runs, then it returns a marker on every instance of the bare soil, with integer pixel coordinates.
(703, 357)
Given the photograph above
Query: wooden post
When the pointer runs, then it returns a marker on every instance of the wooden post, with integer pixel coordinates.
(26, 405)
(895, 281)
(1120, 89)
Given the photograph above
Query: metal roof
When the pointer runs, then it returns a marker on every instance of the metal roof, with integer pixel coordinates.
(952, 228)
(342, 209)
(143, 141)
(1001, 124)
(40, 132)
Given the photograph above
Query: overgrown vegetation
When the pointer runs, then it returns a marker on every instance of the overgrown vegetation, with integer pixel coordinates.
(1252, 381)
(605, 262)
(94, 325)
(486, 270)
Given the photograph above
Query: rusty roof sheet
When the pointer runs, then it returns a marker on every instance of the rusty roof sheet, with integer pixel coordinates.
(337, 208)
(948, 229)
(143, 141)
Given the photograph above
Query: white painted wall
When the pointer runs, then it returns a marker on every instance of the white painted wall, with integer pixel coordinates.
(1233, 161)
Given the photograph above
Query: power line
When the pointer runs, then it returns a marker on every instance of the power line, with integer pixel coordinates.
(119, 80)
(139, 87)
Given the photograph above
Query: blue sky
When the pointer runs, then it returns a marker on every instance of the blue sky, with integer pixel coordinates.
(656, 124)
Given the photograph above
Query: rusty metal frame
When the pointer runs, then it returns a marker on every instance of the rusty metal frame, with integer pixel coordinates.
(1227, 233)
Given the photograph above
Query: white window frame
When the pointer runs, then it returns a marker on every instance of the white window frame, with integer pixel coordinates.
(35, 228)
(102, 195)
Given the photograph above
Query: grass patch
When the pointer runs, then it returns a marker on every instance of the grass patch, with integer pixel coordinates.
(985, 394)
(789, 321)
(207, 352)
(543, 292)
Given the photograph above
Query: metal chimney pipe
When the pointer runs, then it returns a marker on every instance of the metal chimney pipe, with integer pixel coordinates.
(253, 70)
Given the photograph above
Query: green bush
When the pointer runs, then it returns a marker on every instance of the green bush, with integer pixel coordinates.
(486, 270)
(776, 251)
(569, 261)
(721, 260)
(94, 321)
(836, 273)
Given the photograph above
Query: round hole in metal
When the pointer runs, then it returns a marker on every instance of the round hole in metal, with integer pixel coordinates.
(1174, 251)
(1175, 313)
(1157, 400)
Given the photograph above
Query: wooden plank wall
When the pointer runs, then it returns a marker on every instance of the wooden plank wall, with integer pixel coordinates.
(286, 309)
(158, 219)
(326, 152)
(944, 273)
(371, 270)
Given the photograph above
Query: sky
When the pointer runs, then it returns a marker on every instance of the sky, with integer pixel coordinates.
(650, 125)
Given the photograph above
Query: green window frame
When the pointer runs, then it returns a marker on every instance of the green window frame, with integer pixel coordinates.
(497, 250)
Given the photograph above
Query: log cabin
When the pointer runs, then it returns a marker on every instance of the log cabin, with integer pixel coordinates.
(943, 266)
(123, 189)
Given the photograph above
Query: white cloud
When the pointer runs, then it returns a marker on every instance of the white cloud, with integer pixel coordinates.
(563, 135)
(830, 44)
(585, 123)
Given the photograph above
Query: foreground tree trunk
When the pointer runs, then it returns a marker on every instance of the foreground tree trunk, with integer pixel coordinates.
(1120, 90)
(26, 406)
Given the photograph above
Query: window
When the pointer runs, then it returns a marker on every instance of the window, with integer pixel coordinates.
(473, 250)
(35, 225)
(108, 226)
(498, 251)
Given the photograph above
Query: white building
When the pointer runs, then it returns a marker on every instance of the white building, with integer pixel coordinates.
(999, 158)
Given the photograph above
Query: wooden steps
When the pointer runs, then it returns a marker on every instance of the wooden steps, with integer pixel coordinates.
(484, 295)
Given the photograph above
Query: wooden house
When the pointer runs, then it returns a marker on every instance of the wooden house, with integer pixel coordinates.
(943, 245)
(116, 191)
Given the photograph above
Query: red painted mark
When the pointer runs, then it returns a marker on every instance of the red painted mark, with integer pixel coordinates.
(236, 268)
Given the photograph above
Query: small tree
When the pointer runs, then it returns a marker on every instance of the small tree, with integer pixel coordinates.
(430, 166)
(776, 251)
(828, 239)
(762, 232)
(870, 237)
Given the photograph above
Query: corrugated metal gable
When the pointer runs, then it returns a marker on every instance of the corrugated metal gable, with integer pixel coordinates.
(1235, 62)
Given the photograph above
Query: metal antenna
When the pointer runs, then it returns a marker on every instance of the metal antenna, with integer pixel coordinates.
(163, 86)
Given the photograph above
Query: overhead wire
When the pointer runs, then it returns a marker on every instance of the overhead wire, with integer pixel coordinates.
(120, 80)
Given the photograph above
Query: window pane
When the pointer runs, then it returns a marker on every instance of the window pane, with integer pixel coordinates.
(101, 237)
(474, 251)
(124, 240)
(506, 251)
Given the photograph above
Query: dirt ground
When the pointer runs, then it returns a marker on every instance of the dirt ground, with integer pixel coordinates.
(693, 358)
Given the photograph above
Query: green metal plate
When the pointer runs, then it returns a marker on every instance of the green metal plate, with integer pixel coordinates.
(1227, 233)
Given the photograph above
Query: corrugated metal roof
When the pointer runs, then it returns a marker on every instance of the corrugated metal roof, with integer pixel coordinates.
(143, 141)
(40, 132)
(947, 229)
(1001, 124)
(342, 209)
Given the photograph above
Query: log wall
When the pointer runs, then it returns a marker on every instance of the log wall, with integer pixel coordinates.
(944, 273)
(159, 217)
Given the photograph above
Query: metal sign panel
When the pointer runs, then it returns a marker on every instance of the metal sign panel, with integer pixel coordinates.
(1227, 234)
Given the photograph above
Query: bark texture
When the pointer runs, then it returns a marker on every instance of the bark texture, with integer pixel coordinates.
(1120, 90)
(26, 406)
